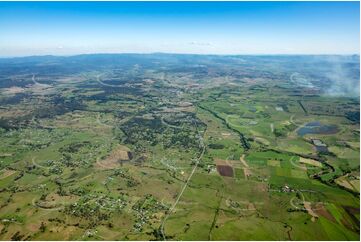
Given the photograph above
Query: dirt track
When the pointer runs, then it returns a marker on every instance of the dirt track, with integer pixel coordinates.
(246, 170)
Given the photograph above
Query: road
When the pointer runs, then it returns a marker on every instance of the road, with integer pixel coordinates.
(39, 84)
(108, 85)
(244, 162)
(183, 189)
(246, 170)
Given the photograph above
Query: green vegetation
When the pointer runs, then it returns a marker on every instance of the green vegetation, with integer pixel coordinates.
(131, 148)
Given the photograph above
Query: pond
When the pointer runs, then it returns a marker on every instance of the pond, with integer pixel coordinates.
(317, 128)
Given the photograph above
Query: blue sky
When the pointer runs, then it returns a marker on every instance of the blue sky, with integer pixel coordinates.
(66, 28)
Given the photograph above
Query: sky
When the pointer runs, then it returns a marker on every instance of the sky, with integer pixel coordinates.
(69, 28)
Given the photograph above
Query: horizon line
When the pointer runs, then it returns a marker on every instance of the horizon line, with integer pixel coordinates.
(178, 53)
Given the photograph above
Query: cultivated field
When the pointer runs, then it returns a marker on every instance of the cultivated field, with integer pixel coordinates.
(153, 147)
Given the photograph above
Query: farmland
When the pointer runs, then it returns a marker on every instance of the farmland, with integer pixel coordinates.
(177, 147)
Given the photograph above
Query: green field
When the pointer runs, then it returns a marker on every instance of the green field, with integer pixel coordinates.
(176, 151)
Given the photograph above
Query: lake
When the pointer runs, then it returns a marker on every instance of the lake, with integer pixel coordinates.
(316, 127)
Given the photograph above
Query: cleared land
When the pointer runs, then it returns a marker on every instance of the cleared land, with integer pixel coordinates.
(177, 147)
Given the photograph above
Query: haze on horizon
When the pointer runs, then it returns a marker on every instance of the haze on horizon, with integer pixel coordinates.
(69, 28)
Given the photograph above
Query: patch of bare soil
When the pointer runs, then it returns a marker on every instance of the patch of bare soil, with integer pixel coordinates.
(33, 227)
(322, 211)
(225, 170)
(352, 212)
(13, 90)
(226, 134)
(115, 159)
(310, 162)
(244, 162)
(308, 208)
(224, 167)
(247, 172)
(6, 173)
(251, 207)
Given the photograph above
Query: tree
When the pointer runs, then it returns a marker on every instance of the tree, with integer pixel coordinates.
(42, 227)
